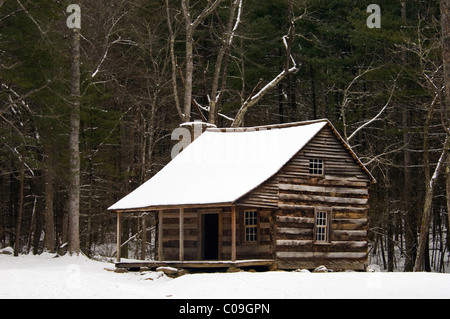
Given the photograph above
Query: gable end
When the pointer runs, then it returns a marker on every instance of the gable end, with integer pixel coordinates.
(340, 165)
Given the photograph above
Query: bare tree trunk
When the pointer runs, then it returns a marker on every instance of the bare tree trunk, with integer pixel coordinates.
(49, 242)
(429, 183)
(313, 92)
(410, 216)
(191, 25)
(424, 228)
(390, 239)
(62, 239)
(445, 24)
(419, 262)
(36, 223)
(254, 99)
(2, 209)
(174, 64)
(189, 71)
(447, 179)
(74, 186)
(151, 139)
(222, 63)
(19, 215)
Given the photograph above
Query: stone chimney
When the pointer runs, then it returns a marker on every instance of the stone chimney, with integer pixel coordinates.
(196, 128)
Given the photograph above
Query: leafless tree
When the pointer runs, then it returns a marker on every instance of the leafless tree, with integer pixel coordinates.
(431, 75)
(191, 24)
(74, 146)
(291, 66)
(445, 25)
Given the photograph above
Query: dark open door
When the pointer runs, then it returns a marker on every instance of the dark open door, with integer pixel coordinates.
(210, 236)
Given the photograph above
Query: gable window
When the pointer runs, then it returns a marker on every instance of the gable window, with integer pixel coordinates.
(251, 225)
(316, 166)
(322, 226)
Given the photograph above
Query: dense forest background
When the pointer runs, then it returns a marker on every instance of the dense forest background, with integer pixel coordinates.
(253, 62)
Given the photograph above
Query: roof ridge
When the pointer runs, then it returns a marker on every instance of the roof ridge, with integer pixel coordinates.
(266, 127)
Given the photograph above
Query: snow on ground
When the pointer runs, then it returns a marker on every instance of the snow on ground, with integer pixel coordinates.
(45, 277)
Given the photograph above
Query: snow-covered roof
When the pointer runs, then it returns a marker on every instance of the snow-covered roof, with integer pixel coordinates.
(221, 166)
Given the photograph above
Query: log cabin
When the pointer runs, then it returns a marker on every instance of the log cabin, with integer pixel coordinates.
(291, 196)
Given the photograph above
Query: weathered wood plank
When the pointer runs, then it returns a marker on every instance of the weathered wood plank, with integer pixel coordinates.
(160, 235)
(349, 223)
(333, 244)
(181, 240)
(295, 219)
(119, 234)
(349, 234)
(293, 207)
(233, 233)
(294, 242)
(324, 189)
(300, 254)
(326, 199)
(295, 231)
(330, 181)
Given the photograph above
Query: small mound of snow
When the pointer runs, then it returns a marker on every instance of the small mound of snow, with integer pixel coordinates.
(302, 270)
(373, 268)
(321, 269)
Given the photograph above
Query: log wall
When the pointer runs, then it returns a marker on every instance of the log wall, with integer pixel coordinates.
(343, 190)
(262, 248)
(286, 214)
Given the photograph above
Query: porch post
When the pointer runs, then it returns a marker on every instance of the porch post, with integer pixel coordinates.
(233, 233)
(119, 233)
(144, 236)
(181, 239)
(160, 235)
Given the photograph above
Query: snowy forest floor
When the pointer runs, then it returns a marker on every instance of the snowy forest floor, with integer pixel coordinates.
(46, 277)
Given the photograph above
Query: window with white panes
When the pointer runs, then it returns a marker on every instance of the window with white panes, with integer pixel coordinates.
(251, 225)
(321, 226)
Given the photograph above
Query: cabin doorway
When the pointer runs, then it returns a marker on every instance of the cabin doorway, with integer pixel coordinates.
(210, 238)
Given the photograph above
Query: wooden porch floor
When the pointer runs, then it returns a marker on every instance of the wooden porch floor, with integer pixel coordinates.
(198, 264)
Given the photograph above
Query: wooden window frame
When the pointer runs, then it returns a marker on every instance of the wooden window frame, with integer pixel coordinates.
(327, 226)
(255, 226)
(322, 169)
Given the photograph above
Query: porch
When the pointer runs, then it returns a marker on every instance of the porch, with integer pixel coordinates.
(198, 264)
(210, 237)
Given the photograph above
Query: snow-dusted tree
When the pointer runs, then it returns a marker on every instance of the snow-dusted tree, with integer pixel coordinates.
(445, 25)
(74, 145)
(433, 81)
(191, 24)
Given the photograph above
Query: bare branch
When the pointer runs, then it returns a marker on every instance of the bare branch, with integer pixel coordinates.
(376, 116)
(261, 93)
(205, 13)
(287, 41)
(174, 64)
(222, 60)
(44, 35)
